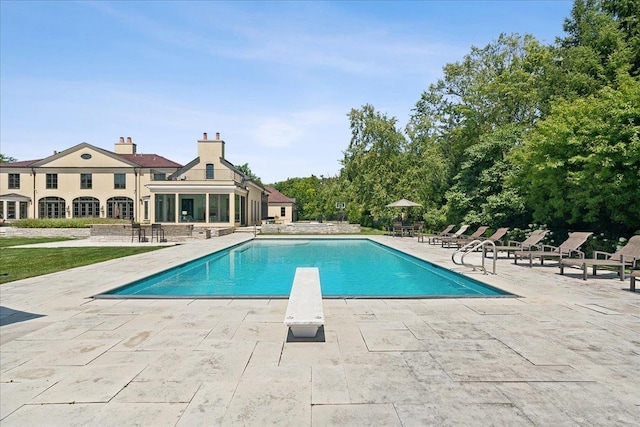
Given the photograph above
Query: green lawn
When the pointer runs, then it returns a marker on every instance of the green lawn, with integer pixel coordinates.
(21, 263)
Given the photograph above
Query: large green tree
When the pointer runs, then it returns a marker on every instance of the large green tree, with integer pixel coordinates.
(581, 166)
(477, 113)
(372, 166)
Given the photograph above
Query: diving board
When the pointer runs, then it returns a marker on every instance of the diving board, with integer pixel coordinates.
(304, 311)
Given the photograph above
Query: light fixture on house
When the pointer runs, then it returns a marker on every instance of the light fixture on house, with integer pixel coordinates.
(101, 209)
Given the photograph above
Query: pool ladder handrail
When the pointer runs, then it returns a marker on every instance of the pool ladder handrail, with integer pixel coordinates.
(473, 246)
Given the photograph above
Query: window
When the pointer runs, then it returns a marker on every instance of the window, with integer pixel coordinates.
(51, 207)
(159, 176)
(192, 207)
(84, 207)
(52, 181)
(165, 208)
(209, 171)
(218, 208)
(11, 210)
(283, 211)
(119, 181)
(85, 181)
(14, 180)
(120, 207)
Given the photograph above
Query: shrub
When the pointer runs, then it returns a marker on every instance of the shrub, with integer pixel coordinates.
(64, 223)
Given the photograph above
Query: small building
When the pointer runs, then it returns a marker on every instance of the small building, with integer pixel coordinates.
(88, 181)
(281, 208)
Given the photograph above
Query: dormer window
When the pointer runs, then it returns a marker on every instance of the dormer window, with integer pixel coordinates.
(209, 171)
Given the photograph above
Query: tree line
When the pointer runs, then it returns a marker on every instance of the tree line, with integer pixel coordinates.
(516, 132)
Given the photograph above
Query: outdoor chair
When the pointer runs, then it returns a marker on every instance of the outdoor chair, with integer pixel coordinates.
(566, 249)
(495, 237)
(627, 256)
(397, 229)
(461, 240)
(158, 232)
(513, 246)
(439, 236)
(137, 230)
(444, 232)
(634, 275)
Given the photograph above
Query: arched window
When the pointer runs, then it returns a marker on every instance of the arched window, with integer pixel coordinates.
(120, 207)
(86, 207)
(51, 207)
(209, 170)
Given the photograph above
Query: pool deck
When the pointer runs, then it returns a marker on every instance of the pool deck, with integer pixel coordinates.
(566, 352)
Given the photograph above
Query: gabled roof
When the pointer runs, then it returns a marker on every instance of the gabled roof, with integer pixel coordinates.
(133, 160)
(185, 168)
(78, 147)
(150, 160)
(20, 164)
(277, 197)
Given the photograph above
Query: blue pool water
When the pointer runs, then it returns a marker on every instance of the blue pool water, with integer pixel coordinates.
(266, 268)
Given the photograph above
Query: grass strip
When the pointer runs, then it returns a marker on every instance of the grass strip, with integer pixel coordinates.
(6, 242)
(22, 263)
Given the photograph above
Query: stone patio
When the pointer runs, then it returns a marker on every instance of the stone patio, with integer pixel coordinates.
(565, 352)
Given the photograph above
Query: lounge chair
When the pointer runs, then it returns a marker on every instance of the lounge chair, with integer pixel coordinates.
(628, 256)
(566, 249)
(499, 234)
(634, 275)
(445, 232)
(434, 239)
(448, 241)
(495, 237)
(513, 246)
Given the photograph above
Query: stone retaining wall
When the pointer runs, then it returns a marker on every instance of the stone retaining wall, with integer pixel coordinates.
(172, 232)
(78, 233)
(118, 232)
(311, 228)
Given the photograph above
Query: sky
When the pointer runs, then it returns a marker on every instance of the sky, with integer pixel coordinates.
(275, 79)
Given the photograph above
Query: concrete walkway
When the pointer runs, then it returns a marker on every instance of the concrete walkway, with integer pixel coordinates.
(564, 353)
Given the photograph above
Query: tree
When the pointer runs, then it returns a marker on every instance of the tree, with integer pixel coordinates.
(581, 166)
(372, 164)
(245, 169)
(476, 114)
(6, 159)
(306, 192)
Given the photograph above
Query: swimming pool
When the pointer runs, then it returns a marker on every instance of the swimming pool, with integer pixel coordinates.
(265, 268)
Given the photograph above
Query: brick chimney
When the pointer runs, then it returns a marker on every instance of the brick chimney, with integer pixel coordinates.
(127, 147)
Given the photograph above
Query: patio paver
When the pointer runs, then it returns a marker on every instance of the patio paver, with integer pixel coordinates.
(565, 352)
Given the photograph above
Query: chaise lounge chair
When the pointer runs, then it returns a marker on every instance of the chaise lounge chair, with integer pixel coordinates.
(513, 246)
(437, 235)
(434, 239)
(565, 250)
(628, 256)
(462, 239)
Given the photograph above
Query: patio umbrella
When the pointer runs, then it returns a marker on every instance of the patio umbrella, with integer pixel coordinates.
(403, 203)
